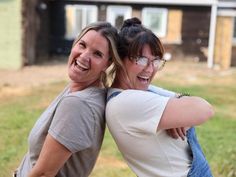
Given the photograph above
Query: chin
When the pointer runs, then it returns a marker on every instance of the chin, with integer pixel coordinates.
(142, 88)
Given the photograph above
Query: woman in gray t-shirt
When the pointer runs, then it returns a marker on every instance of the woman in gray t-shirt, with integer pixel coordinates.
(66, 139)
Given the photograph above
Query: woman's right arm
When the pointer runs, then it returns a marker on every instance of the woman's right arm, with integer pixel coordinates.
(52, 157)
(186, 111)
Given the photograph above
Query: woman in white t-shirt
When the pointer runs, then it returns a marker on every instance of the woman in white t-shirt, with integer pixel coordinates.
(138, 118)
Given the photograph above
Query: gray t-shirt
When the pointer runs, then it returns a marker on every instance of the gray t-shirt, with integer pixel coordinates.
(76, 120)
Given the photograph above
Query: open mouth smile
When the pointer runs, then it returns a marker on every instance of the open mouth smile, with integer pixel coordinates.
(144, 79)
(81, 66)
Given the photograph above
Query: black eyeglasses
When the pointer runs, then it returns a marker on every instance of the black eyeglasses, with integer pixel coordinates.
(157, 63)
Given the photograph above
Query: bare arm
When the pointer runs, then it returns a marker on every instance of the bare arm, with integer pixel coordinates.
(185, 112)
(172, 132)
(52, 157)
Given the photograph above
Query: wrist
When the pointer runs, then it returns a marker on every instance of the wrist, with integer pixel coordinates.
(179, 95)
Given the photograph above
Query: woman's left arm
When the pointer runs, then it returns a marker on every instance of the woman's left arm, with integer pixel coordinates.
(52, 157)
(173, 132)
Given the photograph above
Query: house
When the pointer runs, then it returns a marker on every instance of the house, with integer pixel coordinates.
(200, 30)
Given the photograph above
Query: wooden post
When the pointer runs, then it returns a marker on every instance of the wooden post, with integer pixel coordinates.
(30, 26)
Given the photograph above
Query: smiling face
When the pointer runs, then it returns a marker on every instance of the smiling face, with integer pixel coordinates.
(139, 77)
(89, 57)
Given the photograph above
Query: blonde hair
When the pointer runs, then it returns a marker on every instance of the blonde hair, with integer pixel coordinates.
(110, 33)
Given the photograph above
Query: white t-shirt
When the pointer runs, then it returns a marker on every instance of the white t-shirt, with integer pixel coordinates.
(132, 118)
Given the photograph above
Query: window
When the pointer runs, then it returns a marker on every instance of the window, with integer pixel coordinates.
(156, 20)
(117, 14)
(77, 17)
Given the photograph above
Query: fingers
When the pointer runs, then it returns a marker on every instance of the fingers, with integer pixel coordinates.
(177, 133)
(181, 132)
(172, 133)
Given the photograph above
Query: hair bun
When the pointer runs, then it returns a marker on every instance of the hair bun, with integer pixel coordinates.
(131, 22)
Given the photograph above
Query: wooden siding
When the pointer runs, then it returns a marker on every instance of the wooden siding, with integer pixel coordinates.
(30, 26)
(43, 35)
(195, 31)
(174, 26)
(10, 34)
(233, 58)
(136, 13)
(223, 42)
(35, 35)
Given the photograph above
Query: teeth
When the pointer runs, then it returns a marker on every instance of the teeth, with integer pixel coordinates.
(144, 77)
(81, 65)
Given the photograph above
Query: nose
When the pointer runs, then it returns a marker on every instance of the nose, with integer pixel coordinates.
(149, 68)
(85, 55)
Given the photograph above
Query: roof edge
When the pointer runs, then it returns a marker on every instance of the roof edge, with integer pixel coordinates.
(164, 2)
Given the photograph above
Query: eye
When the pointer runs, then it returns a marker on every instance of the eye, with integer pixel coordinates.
(159, 63)
(81, 44)
(143, 61)
(98, 54)
(156, 62)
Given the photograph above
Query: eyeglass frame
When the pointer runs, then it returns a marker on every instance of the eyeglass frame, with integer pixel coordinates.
(148, 62)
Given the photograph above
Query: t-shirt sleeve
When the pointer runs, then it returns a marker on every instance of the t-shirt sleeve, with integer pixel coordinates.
(160, 91)
(142, 111)
(73, 124)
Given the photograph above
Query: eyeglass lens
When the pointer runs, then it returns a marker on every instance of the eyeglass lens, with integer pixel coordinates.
(143, 61)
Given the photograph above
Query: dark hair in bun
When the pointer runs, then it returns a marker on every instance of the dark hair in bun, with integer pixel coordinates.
(131, 22)
(134, 36)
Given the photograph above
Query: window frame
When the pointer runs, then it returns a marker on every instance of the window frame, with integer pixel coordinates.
(164, 11)
(114, 10)
(72, 33)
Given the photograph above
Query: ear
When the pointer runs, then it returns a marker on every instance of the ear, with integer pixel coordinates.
(109, 62)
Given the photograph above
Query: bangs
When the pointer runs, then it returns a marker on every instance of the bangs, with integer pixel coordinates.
(136, 46)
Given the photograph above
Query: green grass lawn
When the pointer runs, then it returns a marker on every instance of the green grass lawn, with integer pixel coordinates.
(217, 136)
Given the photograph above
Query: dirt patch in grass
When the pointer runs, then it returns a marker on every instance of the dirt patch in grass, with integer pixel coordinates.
(189, 72)
(18, 82)
(181, 72)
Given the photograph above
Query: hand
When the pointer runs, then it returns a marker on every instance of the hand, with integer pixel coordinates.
(177, 132)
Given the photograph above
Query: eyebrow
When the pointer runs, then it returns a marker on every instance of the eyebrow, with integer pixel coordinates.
(155, 58)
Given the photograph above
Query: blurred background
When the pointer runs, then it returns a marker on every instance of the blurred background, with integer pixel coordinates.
(199, 37)
(34, 31)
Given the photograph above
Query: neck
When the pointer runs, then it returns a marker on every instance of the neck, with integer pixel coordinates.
(121, 81)
(75, 86)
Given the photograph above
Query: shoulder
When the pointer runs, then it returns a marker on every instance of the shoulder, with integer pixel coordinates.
(89, 97)
(131, 100)
(135, 110)
(139, 96)
(90, 93)
(71, 107)
(71, 100)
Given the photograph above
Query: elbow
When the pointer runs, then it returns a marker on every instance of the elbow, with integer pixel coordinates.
(211, 112)
(208, 113)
